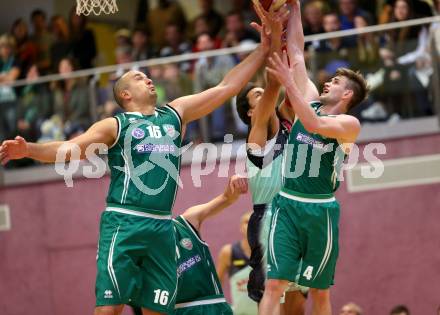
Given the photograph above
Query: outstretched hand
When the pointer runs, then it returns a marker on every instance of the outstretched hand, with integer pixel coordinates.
(272, 23)
(13, 150)
(281, 69)
(236, 186)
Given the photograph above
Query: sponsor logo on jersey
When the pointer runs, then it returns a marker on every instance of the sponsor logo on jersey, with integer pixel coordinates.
(188, 264)
(170, 130)
(186, 243)
(138, 133)
(159, 148)
(108, 294)
(309, 140)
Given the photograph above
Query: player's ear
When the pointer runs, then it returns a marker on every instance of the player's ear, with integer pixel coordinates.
(249, 112)
(125, 94)
(347, 95)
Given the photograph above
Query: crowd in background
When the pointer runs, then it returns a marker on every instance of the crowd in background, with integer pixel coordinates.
(400, 64)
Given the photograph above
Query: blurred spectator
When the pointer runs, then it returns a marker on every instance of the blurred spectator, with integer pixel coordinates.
(9, 72)
(43, 40)
(348, 10)
(367, 58)
(390, 91)
(409, 45)
(332, 53)
(167, 12)
(208, 73)
(438, 309)
(123, 55)
(403, 40)
(176, 45)
(33, 107)
(313, 17)
(156, 74)
(26, 50)
(400, 310)
(123, 37)
(175, 82)
(246, 10)
(61, 46)
(142, 48)
(201, 26)
(211, 16)
(83, 40)
(351, 309)
(109, 109)
(237, 31)
(434, 50)
(71, 100)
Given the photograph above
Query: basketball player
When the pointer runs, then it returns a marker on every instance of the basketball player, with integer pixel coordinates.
(199, 290)
(269, 128)
(304, 227)
(136, 259)
(233, 261)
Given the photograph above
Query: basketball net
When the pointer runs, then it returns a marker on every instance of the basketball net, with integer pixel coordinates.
(96, 7)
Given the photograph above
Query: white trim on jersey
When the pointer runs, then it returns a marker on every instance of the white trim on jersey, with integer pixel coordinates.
(126, 177)
(135, 113)
(328, 248)
(198, 303)
(176, 114)
(139, 213)
(119, 132)
(271, 237)
(193, 232)
(306, 200)
(110, 269)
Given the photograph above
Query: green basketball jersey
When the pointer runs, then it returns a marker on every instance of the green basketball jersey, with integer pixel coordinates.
(144, 161)
(311, 162)
(196, 274)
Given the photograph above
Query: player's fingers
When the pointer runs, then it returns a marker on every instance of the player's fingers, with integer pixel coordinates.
(259, 10)
(284, 16)
(257, 27)
(243, 185)
(5, 159)
(285, 58)
(272, 72)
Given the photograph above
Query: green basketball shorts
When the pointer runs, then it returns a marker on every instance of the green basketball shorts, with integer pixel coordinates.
(198, 308)
(136, 261)
(303, 239)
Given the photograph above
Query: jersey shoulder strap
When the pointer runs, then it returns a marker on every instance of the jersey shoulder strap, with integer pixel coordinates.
(273, 148)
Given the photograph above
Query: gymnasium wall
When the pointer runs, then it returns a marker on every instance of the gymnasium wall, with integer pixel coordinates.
(389, 241)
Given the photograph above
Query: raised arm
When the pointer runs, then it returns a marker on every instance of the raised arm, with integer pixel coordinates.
(197, 214)
(265, 123)
(295, 49)
(193, 107)
(344, 128)
(223, 263)
(104, 131)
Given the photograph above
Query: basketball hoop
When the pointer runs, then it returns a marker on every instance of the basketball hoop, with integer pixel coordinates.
(96, 7)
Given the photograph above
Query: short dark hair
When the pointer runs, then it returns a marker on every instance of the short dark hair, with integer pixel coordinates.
(400, 309)
(38, 12)
(242, 103)
(356, 83)
(117, 88)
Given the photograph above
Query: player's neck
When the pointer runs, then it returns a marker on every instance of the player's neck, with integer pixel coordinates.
(337, 109)
(145, 109)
